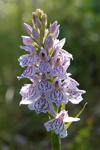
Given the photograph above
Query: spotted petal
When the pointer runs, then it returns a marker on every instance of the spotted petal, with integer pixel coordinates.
(74, 95)
(58, 126)
(29, 94)
(58, 70)
(41, 105)
(26, 60)
(44, 67)
(44, 86)
(57, 96)
(29, 72)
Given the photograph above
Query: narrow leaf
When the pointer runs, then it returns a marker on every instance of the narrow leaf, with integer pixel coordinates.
(68, 124)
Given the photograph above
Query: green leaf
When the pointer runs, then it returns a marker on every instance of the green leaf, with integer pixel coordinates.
(68, 124)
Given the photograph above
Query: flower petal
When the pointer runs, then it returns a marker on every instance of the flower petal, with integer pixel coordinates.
(66, 53)
(27, 40)
(35, 34)
(44, 86)
(58, 70)
(29, 48)
(71, 119)
(41, 105)
(29, 93)
(26, 60)
(56, 33)
(29, 72)
(52, 28)
(57, 125)
(57, 96)
(44, 67)
(59, 44)
(28, 28)
(49, 42)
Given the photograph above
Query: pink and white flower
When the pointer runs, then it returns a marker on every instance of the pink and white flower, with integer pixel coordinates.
(58, 124)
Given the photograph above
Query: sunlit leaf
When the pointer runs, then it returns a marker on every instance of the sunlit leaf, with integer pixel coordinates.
(68, 124)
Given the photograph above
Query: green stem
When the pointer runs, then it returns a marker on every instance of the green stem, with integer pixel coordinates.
(55, 141)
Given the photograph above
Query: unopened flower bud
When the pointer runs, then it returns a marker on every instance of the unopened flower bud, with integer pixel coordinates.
(39, 13)
(35, 34)
(38, 23)
(53, 27)
(44, 19)
(28, 28)
(34, 16)
(56, 33)
(49, 42)
(27, 40)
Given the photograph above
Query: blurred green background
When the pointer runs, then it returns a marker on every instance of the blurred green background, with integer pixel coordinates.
(22, 129)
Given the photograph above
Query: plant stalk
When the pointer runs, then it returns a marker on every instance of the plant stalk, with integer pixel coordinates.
(55, 141)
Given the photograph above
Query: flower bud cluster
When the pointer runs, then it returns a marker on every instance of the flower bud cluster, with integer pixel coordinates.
(47, 64)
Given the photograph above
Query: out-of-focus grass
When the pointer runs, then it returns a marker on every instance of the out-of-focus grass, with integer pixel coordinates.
(80, 24)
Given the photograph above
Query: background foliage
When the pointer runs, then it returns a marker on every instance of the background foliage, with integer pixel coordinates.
(21, 129)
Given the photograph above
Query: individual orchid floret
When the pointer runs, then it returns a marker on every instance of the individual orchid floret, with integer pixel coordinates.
(57, 95)
(29, 72)
(29, 94)
(53, 27)
(58, 70)
(60, 66)
(26, 60)
(44, 86)
(58, 125)
(72, 92)
(41, 105)
(44, 65)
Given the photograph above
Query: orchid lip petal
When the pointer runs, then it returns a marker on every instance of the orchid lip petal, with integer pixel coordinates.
(44, 67)
(56, 96)
(29, 72)
(26, 60)
(58, 70)
(41, 105)
(45, 86)
(58, 126)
